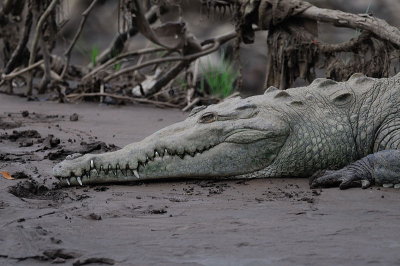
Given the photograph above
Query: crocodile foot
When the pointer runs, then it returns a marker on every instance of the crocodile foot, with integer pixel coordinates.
(343, 178)
(380, 168)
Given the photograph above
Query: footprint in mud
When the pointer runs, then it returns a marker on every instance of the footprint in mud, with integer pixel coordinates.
(30, 189)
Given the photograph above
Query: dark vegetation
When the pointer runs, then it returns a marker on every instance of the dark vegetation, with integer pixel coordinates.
(40, 39)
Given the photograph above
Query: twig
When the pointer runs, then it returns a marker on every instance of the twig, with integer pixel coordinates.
(22, 71)
(21, 47)
(67, 53)
(120, 57)
(193, 103)
(46, 66)
(167, 77)
(191, 57)
(120, 97)
(222, 38)
(36, 37)
(118, 43)
(185, 62)
(53, 75)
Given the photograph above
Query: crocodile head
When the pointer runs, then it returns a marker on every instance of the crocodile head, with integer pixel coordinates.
(232, 138)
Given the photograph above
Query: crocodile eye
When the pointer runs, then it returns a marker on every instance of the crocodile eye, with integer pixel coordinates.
(208, 118)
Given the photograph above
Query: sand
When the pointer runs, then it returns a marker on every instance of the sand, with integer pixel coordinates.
(197, 222)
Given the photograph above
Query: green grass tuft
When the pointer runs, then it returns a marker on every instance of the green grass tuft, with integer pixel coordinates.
(94, 53)
(220, 79)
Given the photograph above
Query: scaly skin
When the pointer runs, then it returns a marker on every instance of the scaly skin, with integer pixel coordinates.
(296, 132)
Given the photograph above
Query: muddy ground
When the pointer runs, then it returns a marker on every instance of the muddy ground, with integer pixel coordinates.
(248, 222)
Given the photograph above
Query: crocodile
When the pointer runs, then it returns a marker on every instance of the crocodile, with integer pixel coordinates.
(342, 134)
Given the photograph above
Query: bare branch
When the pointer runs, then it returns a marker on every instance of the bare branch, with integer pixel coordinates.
(46, 68)
(190, 105)
(338, 18)
(118, 43)
(22, 71)
(121, 57)
(144, 26)
(36, 38)
(21, 47)
(366, 22)
(216, 43)
(67, 53)
(120, 97)
(163, 60)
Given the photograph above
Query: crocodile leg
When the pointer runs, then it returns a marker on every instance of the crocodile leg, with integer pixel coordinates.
(380, 168)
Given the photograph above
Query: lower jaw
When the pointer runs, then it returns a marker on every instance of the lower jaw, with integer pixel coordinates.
(103, 179)
(96, 179)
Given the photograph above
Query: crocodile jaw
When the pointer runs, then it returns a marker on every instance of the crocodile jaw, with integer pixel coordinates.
(134, 163)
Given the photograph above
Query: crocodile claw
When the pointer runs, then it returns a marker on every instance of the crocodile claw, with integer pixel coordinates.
(343, 179)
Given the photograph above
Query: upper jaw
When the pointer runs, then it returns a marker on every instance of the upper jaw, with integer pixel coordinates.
(120, 166)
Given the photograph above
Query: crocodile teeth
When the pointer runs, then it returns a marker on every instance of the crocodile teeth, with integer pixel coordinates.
(166, 152)
(79, 181)
(68, 181)
(157, 155)
(91, 164)
(135, 172)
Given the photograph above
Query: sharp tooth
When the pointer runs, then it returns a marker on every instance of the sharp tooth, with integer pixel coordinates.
(166, 152)
(135, 172)
(68, 181)
(91, 164)
(157, 155)
(79, 180)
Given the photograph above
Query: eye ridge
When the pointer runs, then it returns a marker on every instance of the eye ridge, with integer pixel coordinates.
(208, 117)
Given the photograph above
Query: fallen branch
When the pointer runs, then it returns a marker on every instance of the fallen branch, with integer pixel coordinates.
(120, 97)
